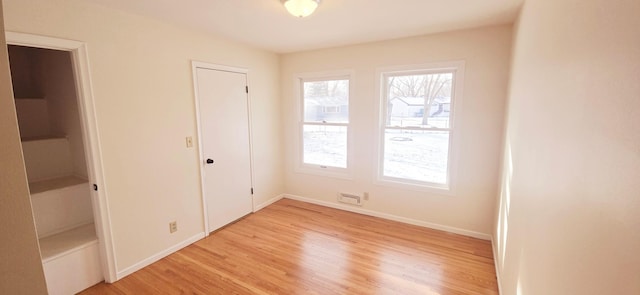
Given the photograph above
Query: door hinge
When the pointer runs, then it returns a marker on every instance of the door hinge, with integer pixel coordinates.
(95, 187)
(246, 88)
(252, 191)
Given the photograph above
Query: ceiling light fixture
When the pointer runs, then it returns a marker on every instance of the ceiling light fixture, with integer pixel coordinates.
(301, 8)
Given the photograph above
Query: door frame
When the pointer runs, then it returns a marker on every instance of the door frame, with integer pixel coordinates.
(195, 65)
(90, 137)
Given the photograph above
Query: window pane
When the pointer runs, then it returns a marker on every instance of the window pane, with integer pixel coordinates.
(408, 95)
(325, 145)
(416, 155)
(326, 101)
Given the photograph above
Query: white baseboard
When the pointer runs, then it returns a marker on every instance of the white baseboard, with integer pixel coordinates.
(495, 261)
(150, 260)
(450, 229)
(267, 203)
(162, 254)
(144, 263)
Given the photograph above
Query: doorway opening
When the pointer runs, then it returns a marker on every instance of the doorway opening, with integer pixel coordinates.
(62, 160)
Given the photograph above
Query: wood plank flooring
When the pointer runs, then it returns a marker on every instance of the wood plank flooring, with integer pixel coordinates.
(293, 247)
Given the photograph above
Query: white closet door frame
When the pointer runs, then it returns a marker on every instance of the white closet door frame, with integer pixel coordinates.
(203, 65)
(91, 140)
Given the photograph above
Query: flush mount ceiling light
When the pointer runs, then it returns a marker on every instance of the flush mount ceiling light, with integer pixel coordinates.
(301, 8)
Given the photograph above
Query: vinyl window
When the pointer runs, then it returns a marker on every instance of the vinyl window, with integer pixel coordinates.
(417, 125)
(325, 123)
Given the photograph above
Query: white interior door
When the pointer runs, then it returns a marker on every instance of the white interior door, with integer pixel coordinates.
(224, 127)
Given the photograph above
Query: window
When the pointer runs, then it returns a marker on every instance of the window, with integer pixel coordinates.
(417, 125)
(325, 122)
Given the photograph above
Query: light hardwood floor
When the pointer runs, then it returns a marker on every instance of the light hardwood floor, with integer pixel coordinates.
(292, 247)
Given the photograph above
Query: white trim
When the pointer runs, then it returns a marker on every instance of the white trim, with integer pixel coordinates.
(267, 203)
(22, 39)
(218, 67)
(91, 138)
(194, 68)
(495, 262)
(195, 65)
(325, 75)
(387, 216)
(458, 68)
(432, 67)
(313, 169)
(251, 157)
(162, 254)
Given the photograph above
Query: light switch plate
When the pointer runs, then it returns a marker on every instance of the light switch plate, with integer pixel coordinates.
(189, 141)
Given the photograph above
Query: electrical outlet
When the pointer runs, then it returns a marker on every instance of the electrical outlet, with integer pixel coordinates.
(189, 141)
(173, 227)
(365, 196)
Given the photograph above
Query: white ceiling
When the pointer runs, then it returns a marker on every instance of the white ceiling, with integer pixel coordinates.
(266, 24)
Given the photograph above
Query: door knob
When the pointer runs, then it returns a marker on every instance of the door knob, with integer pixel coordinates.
(209, 161)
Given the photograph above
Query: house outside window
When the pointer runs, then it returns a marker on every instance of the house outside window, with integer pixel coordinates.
(417, 124)
(331, 109)
(324, 126)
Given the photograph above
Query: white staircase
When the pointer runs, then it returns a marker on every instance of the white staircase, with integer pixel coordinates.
(63, 215)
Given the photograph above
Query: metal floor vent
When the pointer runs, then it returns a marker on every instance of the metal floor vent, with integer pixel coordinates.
(350, 199)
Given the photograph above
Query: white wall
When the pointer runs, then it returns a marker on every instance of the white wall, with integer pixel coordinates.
(20, 267)
(142, 85)
(569, 215)
(486, 52)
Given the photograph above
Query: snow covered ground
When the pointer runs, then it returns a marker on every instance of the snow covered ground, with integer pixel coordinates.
(416, 155)
(325, 145)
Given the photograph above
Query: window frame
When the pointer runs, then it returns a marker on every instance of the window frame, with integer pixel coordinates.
(458, 69)
(301, 166)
